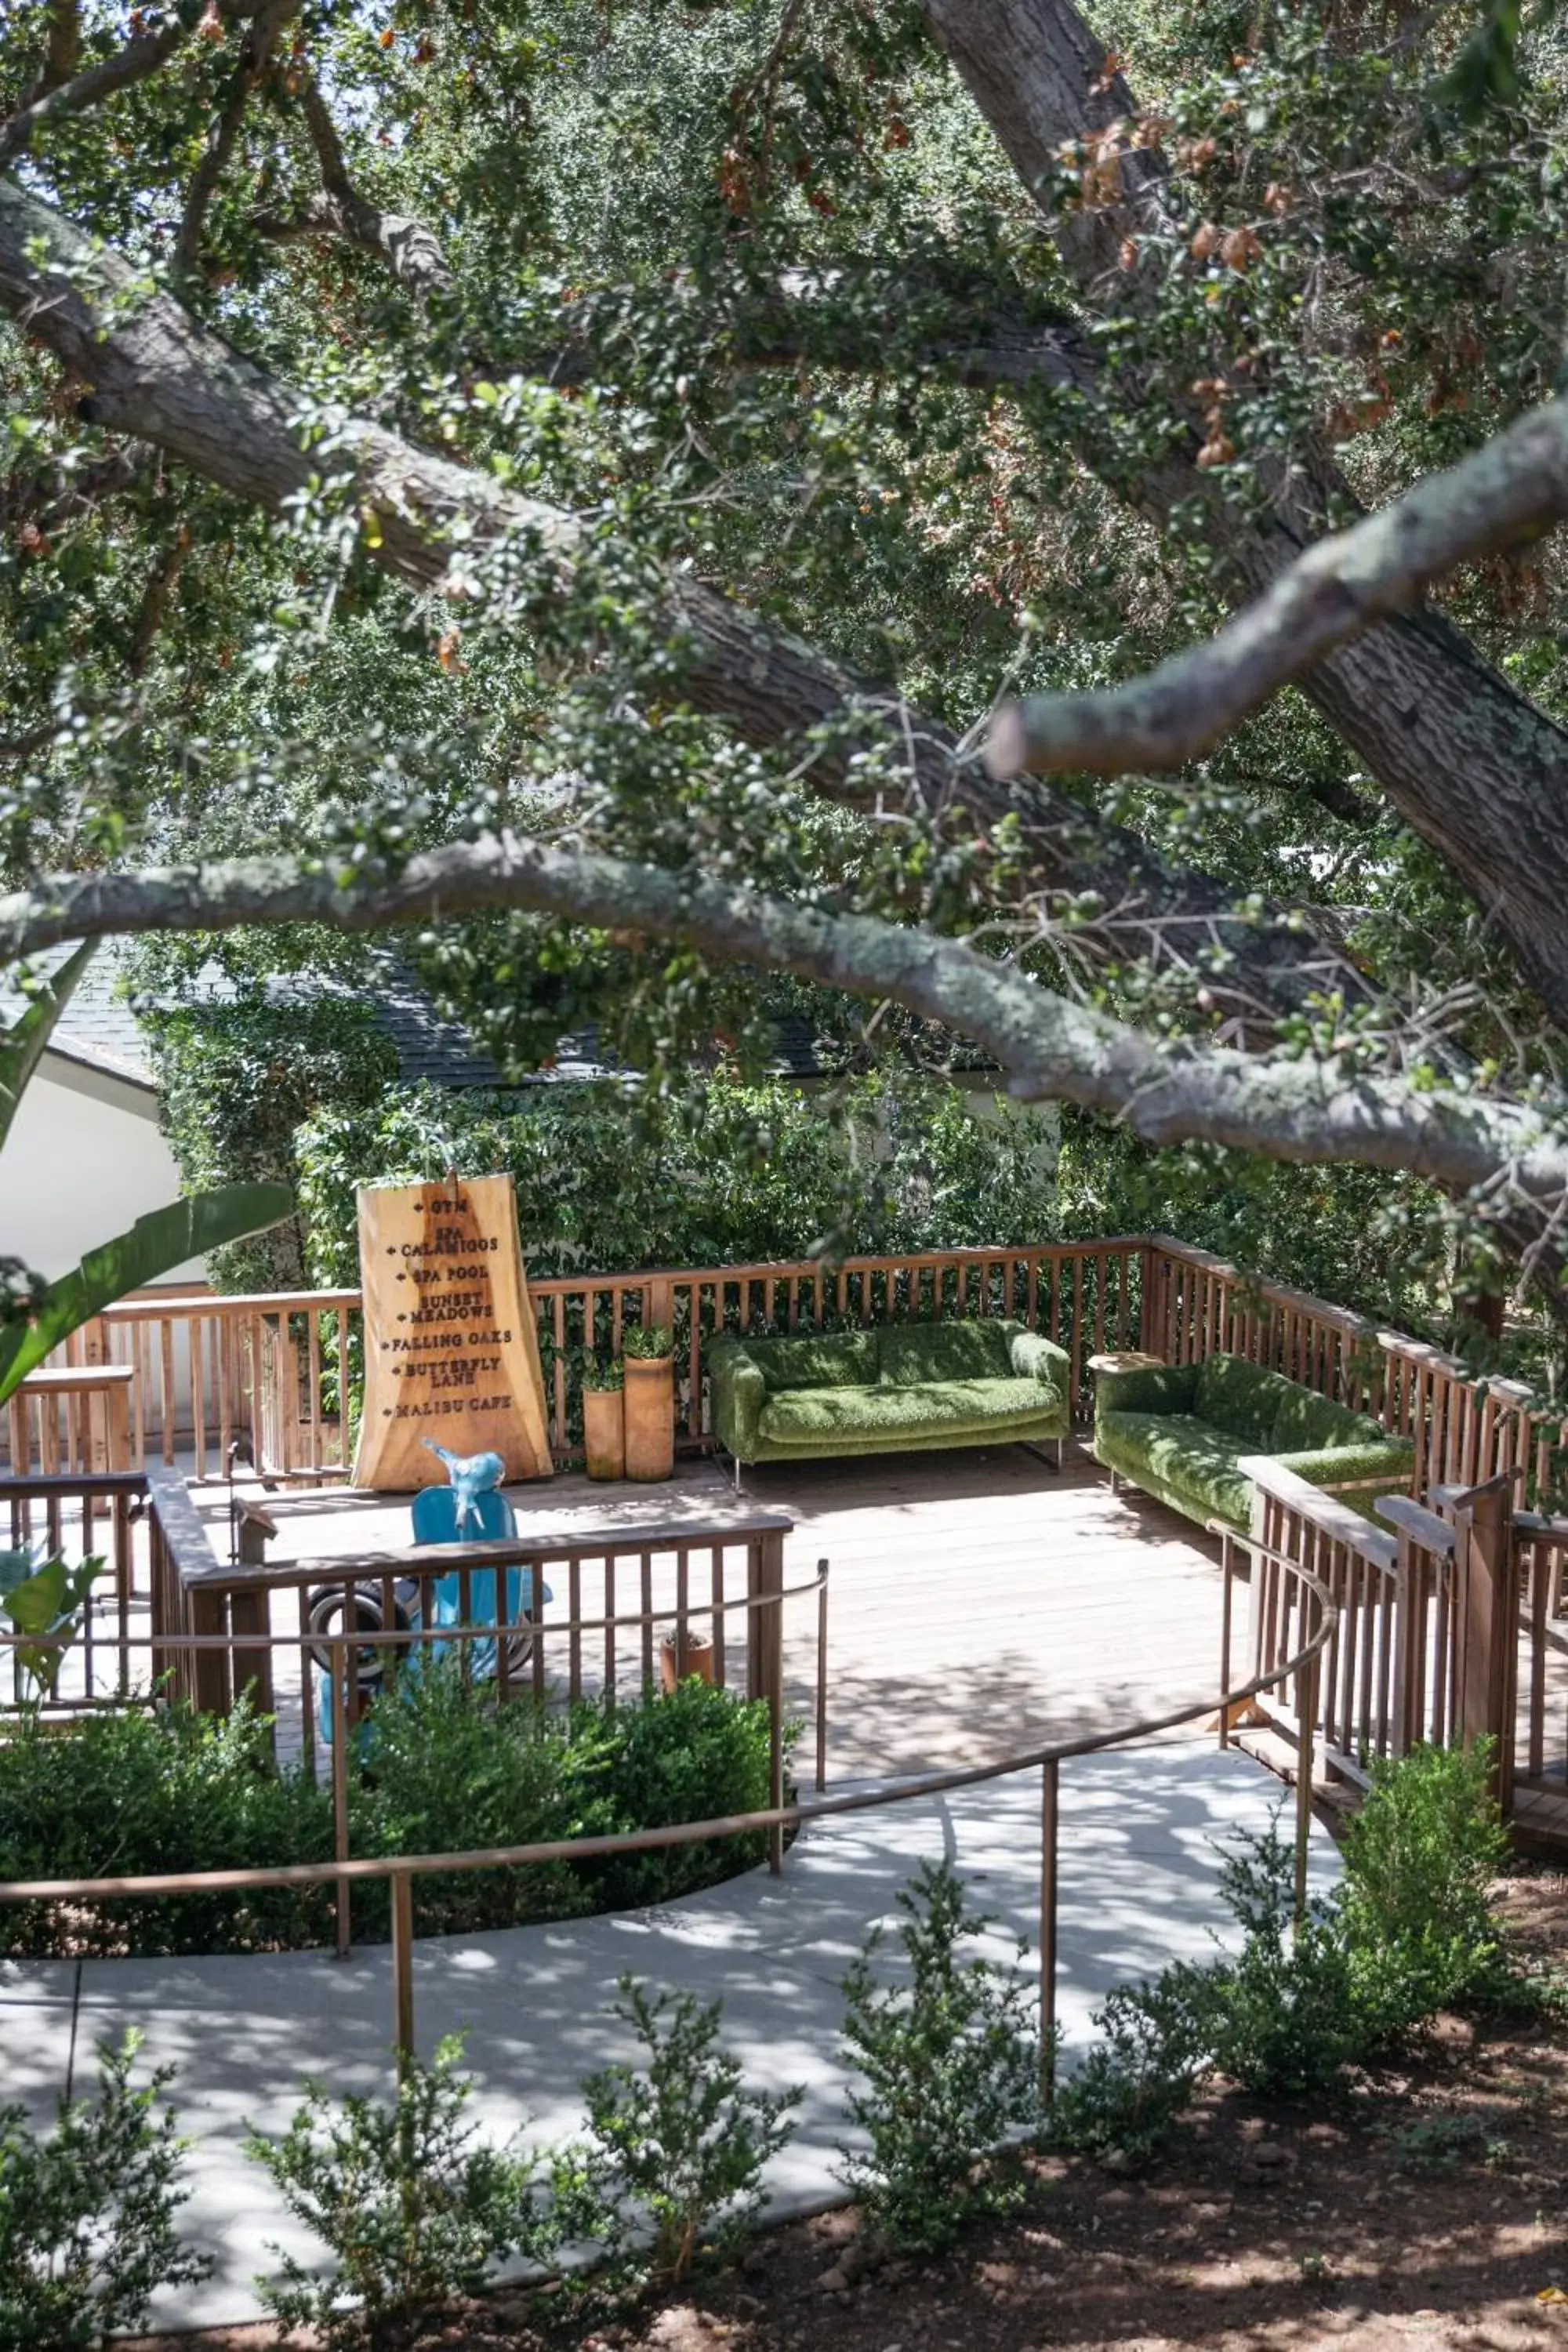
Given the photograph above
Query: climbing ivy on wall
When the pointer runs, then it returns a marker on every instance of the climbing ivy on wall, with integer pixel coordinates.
(238, 1079)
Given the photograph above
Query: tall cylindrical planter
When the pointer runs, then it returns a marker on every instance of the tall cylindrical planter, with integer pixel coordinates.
(650, 1416)
(604, 1433)
(677, 1660)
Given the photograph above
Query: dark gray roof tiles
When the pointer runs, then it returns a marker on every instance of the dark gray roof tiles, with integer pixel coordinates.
(101, 1029)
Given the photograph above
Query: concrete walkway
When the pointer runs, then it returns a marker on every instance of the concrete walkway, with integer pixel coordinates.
(1139, 1876)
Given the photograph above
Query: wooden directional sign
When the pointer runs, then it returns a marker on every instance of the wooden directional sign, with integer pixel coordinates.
(451, 1348)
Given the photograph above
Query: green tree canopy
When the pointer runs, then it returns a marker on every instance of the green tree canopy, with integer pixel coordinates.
(1037, 522)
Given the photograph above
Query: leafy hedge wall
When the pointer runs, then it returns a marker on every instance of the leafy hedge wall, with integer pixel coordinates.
(728, 1173)
(237, 1080)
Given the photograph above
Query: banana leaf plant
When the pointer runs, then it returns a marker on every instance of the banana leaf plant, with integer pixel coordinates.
(33, 1327)
(41, 1598)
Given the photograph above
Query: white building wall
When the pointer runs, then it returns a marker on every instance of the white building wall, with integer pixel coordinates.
(83, 1160)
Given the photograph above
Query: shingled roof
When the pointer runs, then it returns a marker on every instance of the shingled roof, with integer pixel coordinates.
(101, 1027)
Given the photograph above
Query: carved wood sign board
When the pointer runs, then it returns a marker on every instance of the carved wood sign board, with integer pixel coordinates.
(451, 1347)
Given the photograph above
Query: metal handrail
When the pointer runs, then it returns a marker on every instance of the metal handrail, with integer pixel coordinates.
(402, 1869)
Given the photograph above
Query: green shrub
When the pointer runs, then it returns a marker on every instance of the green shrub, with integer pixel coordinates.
(1284, 2018)
(1421, 1856)
(952, 2067)
(449, 1768)
(675, 2148)
(87, 2215)
(442, 1768)
(1410, 1930)
(141, 1790)
(1155, 2045)
(412, 2209)
(690, 1755)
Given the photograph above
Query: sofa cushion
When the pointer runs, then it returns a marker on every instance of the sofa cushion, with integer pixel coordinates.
(816, 1359)
(920, 1353)
(927, 1409)
(1309, 1424)
(1241, 1398)
(1175, 1451)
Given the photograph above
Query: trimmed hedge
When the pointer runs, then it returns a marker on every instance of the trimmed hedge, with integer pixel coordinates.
(440, 1770)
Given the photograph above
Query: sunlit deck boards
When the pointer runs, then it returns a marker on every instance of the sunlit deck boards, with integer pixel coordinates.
(978, 1599)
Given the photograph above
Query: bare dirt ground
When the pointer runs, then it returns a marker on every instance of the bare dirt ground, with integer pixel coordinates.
(1427, 2210)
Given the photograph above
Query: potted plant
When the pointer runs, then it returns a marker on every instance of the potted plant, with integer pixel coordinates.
(604, 1426)
(649, 1369)
(679, 1659)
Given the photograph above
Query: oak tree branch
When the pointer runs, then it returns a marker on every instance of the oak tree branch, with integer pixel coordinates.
(1511, 490)
(1284, 1107)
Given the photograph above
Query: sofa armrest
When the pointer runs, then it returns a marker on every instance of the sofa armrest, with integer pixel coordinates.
(1352, 1465)
(1146, 1388)
(1035, 1357)
(737, 1394)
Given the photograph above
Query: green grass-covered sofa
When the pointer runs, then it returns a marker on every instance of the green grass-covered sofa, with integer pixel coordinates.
(1178, 1431)
(901, 1388)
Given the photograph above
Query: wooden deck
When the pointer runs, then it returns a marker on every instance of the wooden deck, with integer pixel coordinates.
(981, 1601)
(978, 1600)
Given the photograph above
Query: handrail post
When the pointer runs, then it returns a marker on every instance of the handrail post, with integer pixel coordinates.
(1227, 1571)
(776, 1787)
(1306, 1718)
(764, 1665)
(1050, 1791)
(340, 1792)
(1408, 1662)
(402, 1967)
(822, 1679)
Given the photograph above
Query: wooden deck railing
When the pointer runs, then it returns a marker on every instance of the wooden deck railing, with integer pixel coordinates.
(1387, 1677)
(1446, 1623)
(175, 1617)
(275, 1370)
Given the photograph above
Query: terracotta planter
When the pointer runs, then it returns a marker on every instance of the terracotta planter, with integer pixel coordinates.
(650, 1416)
(698, 1660)
(604, 1433)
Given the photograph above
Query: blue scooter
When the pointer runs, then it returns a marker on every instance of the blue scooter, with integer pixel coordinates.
(471, 1509)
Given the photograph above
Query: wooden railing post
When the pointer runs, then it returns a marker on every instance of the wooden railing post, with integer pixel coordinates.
(1487, 1629)
(339, 1672)
(209, 1682)
(1306, 1744)
(822, 1679)
(249, 1612)
(1408, 1661)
